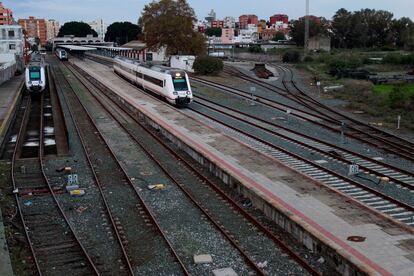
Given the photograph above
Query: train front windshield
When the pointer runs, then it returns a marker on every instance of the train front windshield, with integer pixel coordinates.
(180, 82)
(34, 75)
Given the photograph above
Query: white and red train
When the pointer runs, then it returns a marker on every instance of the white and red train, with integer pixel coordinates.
(169, 83)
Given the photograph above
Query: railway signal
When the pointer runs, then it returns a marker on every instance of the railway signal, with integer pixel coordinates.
(252, 91)
(398, 121)
(343, 129)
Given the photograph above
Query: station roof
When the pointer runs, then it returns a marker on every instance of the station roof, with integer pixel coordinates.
(110, 48)
(76, 48)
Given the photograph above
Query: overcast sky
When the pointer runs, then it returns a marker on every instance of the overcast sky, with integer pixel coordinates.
(129, 10)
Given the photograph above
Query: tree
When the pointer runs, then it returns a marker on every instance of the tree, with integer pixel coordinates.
(401, 32)
(213, 32)
(279, 36)
(341, 28)
(364, 28)
(315, 29)
(78, 29)
(122, 32)
(169, 24)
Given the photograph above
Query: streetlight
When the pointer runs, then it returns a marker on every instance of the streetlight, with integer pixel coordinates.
(306, 41)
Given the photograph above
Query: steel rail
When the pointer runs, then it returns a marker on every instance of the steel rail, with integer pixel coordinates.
(137, 193)
(303, 97)
(99, 185)
(192, 168)
(342, 159)
(13, 179)
(363, 187)
(405, 152)
(42, 166)
(221, 229)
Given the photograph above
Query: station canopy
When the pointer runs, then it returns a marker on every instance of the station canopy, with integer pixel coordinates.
(109, 48)
(77, 48)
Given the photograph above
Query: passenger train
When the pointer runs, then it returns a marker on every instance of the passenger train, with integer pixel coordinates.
(35, 75)
(169, 83)
(61, 54)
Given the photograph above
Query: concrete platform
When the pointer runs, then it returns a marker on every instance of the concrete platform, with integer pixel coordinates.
(9, 96)
(315, 215)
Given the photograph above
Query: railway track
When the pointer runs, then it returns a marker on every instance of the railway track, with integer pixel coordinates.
(399, 177)
(198, 197)
(53, 243)
(368, 197)
(333, 119)
(374, 199)
(137, 231)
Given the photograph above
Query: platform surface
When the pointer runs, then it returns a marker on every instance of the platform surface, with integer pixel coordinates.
(387, 250)
(9, 92)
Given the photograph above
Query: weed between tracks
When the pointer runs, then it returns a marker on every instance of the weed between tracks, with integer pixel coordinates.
(16, 241)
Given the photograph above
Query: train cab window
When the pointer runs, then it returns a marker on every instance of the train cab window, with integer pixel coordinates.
(180, 84)
(34, 75)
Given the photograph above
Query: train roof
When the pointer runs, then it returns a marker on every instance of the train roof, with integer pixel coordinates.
(157, 68)
(36, 59)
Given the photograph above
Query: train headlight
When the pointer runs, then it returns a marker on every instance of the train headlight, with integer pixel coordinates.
(188, 93)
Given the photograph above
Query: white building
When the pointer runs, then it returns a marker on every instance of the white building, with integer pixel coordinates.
(11, 51)
(100, 27)
(52, 29)
(229, 22)
(11, 39)
(248, 35)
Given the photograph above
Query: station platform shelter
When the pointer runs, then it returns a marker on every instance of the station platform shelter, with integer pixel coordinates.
(134, 53)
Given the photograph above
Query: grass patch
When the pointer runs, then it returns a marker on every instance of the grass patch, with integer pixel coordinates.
(408, 89)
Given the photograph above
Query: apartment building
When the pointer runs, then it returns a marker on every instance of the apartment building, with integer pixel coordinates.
(52, 29)
(35, 28)
(6, 15)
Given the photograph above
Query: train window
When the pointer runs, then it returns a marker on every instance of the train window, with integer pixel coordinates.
(180, 84)
(154, 80)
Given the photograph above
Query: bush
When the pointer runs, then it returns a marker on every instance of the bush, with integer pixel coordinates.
(291, 56)
(407, 59)
(387, 49)
(337, 64)
(208, 65)
(399, 59)
(397, 97)
(255, 49)
(308, 59)
(354, 63)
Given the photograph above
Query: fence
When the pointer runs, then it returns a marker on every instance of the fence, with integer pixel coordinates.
(7, 71)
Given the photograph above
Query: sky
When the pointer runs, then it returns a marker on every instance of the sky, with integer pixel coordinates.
(130, 10)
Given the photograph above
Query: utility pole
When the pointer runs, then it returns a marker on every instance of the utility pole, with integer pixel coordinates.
(306, 41)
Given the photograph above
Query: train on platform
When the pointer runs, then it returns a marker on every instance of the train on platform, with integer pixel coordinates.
(61, 54)
(35, 74)
(169, 83)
